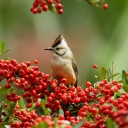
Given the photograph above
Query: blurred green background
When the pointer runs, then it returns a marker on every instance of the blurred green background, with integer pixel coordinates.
(94, 35)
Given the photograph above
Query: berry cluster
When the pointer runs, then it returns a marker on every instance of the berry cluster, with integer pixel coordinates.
(25, 119)
(120, 116)
(95, 103)
(55, 5)
(12, 97)
(45, 5)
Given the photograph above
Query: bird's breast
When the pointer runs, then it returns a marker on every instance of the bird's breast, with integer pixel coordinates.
(62, 68)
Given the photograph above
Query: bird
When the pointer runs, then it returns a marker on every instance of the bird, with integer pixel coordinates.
(63, 64)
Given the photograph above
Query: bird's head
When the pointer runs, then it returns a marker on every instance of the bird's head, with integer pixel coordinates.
(60, 47)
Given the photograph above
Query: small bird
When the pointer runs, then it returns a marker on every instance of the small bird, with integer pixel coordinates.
(63, 63)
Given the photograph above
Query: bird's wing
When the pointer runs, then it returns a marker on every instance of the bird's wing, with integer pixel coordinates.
(74, 66)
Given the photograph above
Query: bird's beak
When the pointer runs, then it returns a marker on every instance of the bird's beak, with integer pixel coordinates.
(50, 49)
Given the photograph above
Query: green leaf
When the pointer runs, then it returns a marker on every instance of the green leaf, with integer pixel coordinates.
(47, 111)
(103, 72)
(108, 74)
(61, 112)
(111, 123)
(12, 105)
(3, 90)
(125, 81)
(124, 77)
(73, 112)
(22, 103)
(42, 125)
(1, 108)
(39, 111)
(109, 70)
(32, 107)
(52, 8)
(90, 2)
(114, 75)
(79, 124)
(2, 47)
(125, 88)
(5, 123)
(116, 96)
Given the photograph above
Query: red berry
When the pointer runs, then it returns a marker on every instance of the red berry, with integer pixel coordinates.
(13, 62)
(43, 3)
(35, 4)
(17, 124)
(95, 66)
(88, 84)
(67, 113)
(0, 120)
(64, 80)
(58, 1)
(39, 10)
(105, 6)
(50, 2)
(28, 100)
(38, 104)
(60, 11)
(45, 8)
(29, 105)
(7, 86)
(22, 80)
(46, 76)
(34, 10)
(28, 63)
(35, 61)
(61, 117)
(58, 6)
(101, 101)
(50, 99)
(35, 100)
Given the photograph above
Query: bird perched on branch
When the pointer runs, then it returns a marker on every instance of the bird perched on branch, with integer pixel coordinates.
(63, 63)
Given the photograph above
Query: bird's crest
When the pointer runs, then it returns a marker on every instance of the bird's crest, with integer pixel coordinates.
(57, 41)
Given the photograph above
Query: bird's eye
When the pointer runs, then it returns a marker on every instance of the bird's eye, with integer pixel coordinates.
(57, 48)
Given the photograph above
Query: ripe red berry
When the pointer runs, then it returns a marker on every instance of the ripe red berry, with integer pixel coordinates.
(46, 76)
(64, 80)
(105, 6)
(0, 120)
(28, 63)
(95, 66)
(58, 6)
(29, 105)
(60, 11)
(35, 61)
(45, 8)
(50, 99)
(43, 3)
(34, 10)
(38, 104)
(88, 84)
(7, 86)
(58, 1)
(50, 2)
(67, 113)
(61, 117)
(39, 10)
